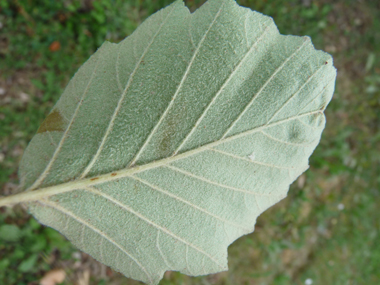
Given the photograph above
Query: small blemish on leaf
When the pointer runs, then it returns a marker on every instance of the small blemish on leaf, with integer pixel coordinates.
(53, 122)
(252, 156)
(95, 178)
(113, 174)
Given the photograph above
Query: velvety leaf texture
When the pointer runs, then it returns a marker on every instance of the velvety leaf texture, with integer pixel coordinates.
(166, 147)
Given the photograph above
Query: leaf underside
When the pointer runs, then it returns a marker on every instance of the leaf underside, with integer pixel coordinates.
(198, 122)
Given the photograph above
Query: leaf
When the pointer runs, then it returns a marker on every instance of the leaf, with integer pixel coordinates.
(165, 148)
(53, 277)
(28, 264)
(10, 233)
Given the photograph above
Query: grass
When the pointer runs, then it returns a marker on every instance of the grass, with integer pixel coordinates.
(326, 230)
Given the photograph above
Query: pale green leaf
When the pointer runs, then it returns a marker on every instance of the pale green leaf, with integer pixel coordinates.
(166, 147)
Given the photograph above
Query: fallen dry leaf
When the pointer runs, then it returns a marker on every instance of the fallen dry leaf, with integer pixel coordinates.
(24, 98)
(55, 46)
(301, 181)
(84, 278)
(53, 277)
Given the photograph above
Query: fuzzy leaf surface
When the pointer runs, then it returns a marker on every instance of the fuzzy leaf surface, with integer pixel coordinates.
(169, 145)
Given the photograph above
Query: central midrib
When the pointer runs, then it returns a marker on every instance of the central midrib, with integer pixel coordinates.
(34, 195)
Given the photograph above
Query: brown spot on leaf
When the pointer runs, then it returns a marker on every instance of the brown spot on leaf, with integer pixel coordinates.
(95, 178)
(168, 139)
(113, 174)
(53, 122)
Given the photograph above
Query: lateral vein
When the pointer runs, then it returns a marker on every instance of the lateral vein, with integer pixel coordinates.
(184, 77)
(140, 216)
(156, 188)
(288, 143)
(249, 160)
(295, 94)
(261, 89)
(105, 236)
(220, 90)
(56, 152)
(176, 169)
(117, 109)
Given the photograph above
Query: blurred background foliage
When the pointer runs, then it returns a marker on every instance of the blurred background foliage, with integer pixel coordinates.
(327, 231)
